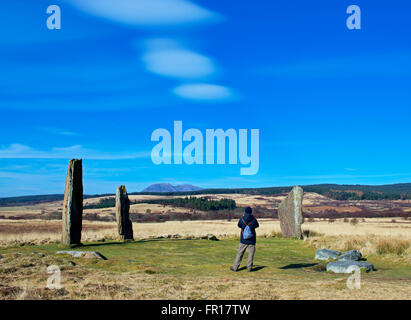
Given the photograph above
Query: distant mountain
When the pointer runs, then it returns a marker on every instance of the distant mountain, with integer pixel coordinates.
(166, 187)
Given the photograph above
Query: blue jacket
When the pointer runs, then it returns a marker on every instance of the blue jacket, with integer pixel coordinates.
(254, 225)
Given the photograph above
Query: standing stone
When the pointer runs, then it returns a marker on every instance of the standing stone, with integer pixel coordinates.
(290, 213)
(73, 203)
(124, 224)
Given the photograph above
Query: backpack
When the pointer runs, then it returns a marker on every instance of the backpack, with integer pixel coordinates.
(247, 233)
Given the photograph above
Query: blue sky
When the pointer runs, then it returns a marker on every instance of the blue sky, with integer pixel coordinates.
(332, 105)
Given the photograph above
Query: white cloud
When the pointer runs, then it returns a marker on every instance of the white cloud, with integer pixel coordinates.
(203, 92)
(167, 57)
(58, 131)
(150, 13)
(20, 151)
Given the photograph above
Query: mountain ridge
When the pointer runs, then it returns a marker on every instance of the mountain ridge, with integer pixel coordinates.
(167, 187)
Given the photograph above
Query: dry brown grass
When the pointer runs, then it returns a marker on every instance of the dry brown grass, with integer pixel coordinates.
(392, 246)
(83, 283)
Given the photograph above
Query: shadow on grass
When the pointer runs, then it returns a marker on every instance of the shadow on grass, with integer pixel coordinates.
(102, 244)
(298, 266)
(258, 268)
(253, 269)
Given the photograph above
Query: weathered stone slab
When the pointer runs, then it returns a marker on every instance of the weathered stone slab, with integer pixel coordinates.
(124, 224)
(83, 254)
(325, 254)
(290, 213)
(348, 266)
(354, 255)
(73, 203)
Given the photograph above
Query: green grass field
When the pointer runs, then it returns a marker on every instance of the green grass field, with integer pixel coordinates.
(164, 262)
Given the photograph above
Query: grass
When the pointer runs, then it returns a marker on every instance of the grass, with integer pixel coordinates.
(392, 246)
(191, 269)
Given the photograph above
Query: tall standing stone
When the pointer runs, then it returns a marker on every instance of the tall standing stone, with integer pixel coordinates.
(124, 224)
(290, 213)
(73, 203)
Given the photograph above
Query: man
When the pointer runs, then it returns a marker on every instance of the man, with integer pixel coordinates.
(249, 242)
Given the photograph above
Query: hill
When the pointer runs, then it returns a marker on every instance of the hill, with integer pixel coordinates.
(333, 191)
(166, 187)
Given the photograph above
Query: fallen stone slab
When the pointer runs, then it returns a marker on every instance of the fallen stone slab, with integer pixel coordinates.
(351, 255)
(27, 265)
(325, 254)
(348, 266)
(42, 255)
(210, 237)
(83, 254)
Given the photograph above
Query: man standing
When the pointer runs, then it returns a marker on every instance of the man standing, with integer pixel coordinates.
(248, 223)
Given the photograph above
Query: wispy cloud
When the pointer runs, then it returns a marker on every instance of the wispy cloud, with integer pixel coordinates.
(147, 13)
(168, 57)
(204, 92)
(349, 176)
(20, 151)
(387, 65)
(58, 131)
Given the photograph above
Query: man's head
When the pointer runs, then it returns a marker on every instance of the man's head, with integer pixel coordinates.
(248, 210)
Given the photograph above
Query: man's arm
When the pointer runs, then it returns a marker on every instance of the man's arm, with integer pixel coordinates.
(240, 223)
(256, 225)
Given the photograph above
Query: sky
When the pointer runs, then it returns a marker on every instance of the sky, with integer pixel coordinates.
(332, 105)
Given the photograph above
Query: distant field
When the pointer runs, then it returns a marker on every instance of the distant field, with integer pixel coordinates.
(315, 205)
(38, 231)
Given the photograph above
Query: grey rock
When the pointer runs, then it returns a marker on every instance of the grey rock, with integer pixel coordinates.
(209, 237)
(83, 254)
(42, 255)
(124, 224)
(212, 237)
(73, 203)
(27, 265)
(325, 254)
(354, 255)
(348, 266)
(290, 213)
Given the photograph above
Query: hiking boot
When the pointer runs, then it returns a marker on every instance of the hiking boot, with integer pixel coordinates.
(232, 269)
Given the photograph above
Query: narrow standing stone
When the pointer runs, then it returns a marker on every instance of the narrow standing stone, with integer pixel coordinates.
(290, 213)
(73, 203)
(124, 224)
